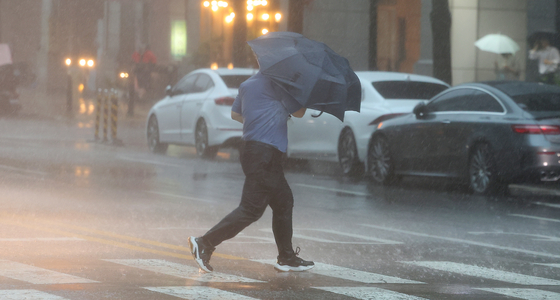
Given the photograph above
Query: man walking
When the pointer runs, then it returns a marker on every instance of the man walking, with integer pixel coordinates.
(265, 139)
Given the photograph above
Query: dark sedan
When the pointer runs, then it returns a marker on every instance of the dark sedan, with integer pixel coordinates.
(488, 134)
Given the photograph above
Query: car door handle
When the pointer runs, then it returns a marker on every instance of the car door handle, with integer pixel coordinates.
(446, 122)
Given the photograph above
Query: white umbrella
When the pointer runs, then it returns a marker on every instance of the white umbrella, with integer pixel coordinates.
(497, 43)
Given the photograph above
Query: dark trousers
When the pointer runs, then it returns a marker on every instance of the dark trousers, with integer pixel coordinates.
(265, 185)
(548, 78)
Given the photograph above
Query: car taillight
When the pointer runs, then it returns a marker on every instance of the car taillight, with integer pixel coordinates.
(536, 129)
(224, 101)
(385, 118)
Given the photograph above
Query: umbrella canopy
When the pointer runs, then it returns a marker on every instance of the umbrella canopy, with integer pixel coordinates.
(308, 72)
(497, 43)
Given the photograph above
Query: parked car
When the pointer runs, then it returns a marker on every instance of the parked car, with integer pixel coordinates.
(384, 95)
(197, 111)
(488, 134)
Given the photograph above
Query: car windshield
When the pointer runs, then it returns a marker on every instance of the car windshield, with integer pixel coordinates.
(404, 90)
(541, 101)
(234, 81)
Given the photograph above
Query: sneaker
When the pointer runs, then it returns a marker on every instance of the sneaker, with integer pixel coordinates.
(201, 254)
(293, 264)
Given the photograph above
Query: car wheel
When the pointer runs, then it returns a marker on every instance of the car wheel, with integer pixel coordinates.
(380, 163)
(153, 137)
(201, 141)
(483, 177)
(348, 154)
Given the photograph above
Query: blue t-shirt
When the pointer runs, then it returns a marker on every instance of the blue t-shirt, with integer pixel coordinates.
(265, 117)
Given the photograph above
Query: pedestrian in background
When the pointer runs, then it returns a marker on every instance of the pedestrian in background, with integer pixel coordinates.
(144, 65)
(265, 139)
(548, 57)
(506, 67)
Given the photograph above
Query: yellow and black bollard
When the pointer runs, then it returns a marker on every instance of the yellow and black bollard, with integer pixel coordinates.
(114, 117)
(105, 114)
(98, 114)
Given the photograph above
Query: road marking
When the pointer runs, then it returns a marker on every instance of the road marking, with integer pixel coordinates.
(181, 197)
(23, 170)
(461, 241)
(196, 292)
(535, 218)
(372, 240)
(527, 294)
(368, 293)
(550, 265)
(348, 274)
(333, 190)
(482, 272)
(150, 162)
(63, 239)
(536, 237)
(179, 270)
(35, 275)
(547, 204)
(119, 244)
(26, 295)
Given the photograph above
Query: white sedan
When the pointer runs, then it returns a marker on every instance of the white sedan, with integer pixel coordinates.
(384, 95)
(197, 111)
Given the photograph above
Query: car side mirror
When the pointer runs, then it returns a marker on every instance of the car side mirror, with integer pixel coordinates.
(169, 91)
(420, 110)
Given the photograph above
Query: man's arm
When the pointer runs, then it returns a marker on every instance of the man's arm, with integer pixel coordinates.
(237, 117)
(300, 112)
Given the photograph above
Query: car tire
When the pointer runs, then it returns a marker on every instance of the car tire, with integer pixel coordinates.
(348, 154)
(153, 137)
(379, 161)
(483, 176)
(201, 141)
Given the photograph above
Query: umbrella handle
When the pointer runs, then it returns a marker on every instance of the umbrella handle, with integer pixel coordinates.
(316, 116)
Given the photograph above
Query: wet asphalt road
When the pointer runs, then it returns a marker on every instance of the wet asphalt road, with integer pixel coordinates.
(85, 220)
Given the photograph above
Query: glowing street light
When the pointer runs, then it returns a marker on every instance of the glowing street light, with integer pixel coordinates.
(264, 31)
(68, 61)
(250, 17)
(265, 17)
(278, 16)
(90, 63)
(82, 62)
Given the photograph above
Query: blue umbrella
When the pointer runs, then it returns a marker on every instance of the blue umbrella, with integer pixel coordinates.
(308, 72)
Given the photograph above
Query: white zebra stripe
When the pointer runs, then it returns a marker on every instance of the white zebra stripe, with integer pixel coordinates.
(179, 270)
(482, 272)
(35, 275)
(368, 293)
(198, 292)
(27, 294)
(349, 274)
(526, 294)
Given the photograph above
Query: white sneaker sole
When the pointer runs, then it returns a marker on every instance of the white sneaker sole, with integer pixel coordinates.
(194, 250)
(286, 268)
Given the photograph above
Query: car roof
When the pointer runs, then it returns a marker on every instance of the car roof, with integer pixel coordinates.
(226, 71)
(514, 88)
(395, 76)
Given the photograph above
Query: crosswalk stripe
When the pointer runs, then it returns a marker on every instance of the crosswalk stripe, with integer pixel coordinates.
(483, 272)
(198, 292)
(27, 294)
(550, 265)
(179, 270)
(349, 274)
(368, 293)
(526, 294)
(35, 275)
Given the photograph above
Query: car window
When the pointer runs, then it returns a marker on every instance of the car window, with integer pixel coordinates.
(540, 105)
(456, 100)
(403, 90)
(203, 83)
(466, 100)
(185, 85)
(234, 81)
(484, 102)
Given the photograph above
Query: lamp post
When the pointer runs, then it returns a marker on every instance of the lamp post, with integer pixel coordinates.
(69, 85)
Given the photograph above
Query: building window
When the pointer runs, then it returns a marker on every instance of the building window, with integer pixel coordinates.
(178, 39)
